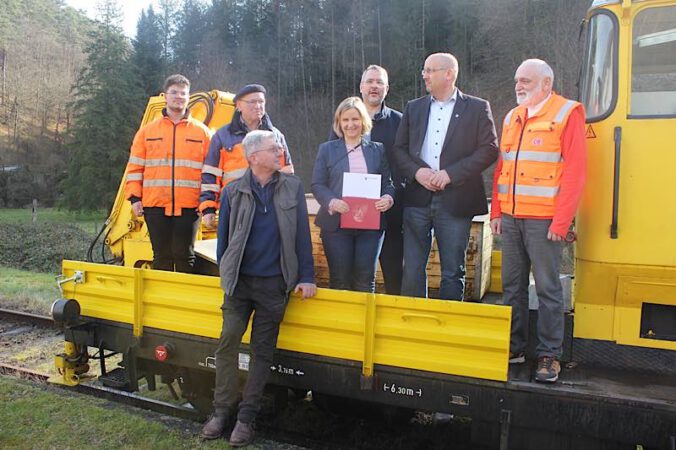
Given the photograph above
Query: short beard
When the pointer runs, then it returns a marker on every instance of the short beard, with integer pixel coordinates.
(372, 102)
(177, 111)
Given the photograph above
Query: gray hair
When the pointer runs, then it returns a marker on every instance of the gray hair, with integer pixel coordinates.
(541, 66)
(383, 72)
(252, 141)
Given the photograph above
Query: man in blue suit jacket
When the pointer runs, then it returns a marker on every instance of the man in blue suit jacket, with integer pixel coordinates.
(444, 142)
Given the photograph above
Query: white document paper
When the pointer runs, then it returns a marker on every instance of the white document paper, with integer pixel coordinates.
(363, 185)
(206, 248)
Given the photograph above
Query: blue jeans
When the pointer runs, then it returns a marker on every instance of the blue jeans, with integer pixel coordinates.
(525, 246)
(452, 233)
(352, 256)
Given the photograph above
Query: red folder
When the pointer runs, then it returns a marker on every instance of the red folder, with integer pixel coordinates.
(362, 215)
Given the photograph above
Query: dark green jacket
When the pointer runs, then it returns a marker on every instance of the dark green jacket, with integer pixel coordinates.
(237, 216)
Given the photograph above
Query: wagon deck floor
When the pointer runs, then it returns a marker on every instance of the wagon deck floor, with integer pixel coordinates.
(611, 383)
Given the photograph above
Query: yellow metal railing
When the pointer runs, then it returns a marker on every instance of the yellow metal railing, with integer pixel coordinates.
(467, 339)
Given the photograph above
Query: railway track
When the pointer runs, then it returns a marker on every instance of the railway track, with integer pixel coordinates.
(21, 316)
(320, 428)
(127, 398)
(267, 432)
(273, 437)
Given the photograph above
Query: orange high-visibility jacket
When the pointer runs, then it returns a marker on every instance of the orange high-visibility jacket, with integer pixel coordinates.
(226, 160)
(165, 165)
(530, 149)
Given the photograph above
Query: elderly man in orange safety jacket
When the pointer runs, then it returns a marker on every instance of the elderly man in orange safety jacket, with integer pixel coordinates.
(536, 190)
(226, 161)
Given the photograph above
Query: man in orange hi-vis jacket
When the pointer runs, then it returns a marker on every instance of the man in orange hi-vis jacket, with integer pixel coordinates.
(225, 161)
(536, 190)
(163, 178)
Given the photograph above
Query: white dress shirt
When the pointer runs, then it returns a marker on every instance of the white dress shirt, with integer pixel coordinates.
(437, 125)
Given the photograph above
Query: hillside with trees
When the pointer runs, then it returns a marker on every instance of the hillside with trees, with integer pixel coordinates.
(41, 53)
(73, 91)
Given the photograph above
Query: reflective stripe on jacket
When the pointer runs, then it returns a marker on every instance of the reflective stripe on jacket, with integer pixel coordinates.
(226, 160)
(530, 149)
(165, 164)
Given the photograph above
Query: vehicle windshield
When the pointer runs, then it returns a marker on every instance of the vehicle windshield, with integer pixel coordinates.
(599, 75)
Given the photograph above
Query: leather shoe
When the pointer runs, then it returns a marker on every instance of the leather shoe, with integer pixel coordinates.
(242, 434)
(214, 428)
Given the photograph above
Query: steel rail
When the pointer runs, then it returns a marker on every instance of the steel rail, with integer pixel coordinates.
(266, 431)
(27, 317)
(127, 398)
(291, 439)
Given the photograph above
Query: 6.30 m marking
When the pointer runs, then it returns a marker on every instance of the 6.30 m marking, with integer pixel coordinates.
(402, 390)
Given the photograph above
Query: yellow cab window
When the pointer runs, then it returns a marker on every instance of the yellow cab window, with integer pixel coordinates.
(653, 66)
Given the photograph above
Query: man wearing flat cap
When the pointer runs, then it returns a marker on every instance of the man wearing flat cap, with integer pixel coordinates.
(226, 161)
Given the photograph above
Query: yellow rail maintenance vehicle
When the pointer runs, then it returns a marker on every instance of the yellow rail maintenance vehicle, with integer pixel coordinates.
(618, 386)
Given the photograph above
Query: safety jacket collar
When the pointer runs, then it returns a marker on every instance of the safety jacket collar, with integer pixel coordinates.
(186, 115)
(237, 125)
(521, 111)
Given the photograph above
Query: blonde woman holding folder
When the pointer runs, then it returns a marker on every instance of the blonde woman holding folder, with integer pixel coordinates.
(351, 240)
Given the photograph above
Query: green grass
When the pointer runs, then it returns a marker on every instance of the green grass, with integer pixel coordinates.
(27, 291)
(89, 221)
(36, 416)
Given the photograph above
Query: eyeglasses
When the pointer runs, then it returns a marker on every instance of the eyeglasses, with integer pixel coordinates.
(429, 71)
(274, 149)
(177, 93)
(371, 80)
(253, 102)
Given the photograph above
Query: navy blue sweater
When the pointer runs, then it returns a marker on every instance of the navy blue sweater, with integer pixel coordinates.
(262, 251)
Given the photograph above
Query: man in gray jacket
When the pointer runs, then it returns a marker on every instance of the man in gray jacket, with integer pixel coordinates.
(264, 252)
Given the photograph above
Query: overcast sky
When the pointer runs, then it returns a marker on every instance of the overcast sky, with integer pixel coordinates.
(131, 9)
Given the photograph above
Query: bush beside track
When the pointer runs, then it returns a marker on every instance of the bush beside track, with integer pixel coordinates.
(41, 247)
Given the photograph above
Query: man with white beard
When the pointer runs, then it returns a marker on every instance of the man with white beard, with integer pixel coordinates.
(537, 186)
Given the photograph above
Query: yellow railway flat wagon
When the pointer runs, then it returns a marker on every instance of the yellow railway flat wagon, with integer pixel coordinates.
(618, 385)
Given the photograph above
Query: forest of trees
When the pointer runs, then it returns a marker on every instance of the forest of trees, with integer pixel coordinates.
(73, 90)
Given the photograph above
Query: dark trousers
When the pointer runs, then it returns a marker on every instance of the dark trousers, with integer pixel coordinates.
(172, 238)
(267, 296)
(352, 256)
(392, 251)
(524, 247)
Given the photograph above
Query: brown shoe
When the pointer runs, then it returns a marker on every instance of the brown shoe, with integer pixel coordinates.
(242, 435)
(548, 369)
(214, 428)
